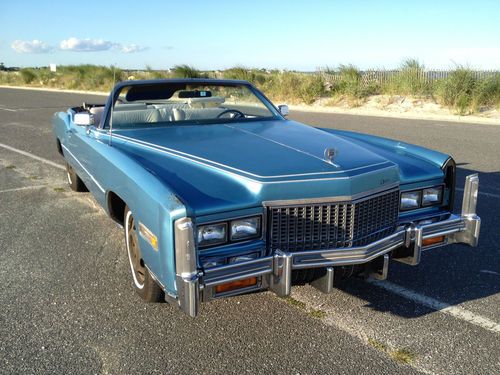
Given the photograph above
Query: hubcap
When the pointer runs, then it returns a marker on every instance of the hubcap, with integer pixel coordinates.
(134, 253)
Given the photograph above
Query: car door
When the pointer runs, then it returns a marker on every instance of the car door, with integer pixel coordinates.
(84, 148)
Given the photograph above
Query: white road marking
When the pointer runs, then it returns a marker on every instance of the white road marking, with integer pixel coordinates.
(490, 272)
(455, 311)
(8, 109)
(491, 195)
(23, 188)
(30, 155)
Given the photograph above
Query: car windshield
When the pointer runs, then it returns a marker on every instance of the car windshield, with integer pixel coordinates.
(179, 103)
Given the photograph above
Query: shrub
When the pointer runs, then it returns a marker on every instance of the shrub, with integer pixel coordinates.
(242, 73)
(186, 71)
(311, 87)
(155, 74)
(486, 93)
(45, 76)
(456, 91)
(293, 87)
(350, 85)
(409, 80)
(27, 75)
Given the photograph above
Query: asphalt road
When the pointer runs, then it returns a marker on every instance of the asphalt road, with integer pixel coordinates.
(67, 303)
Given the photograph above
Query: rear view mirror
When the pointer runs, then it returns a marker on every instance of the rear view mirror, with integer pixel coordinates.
(83, 119)
(284, 110)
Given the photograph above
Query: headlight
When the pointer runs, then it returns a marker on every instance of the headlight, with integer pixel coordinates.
(410, 200)
(432, 196)
(414, 199)
(242, 229)
(212, 234)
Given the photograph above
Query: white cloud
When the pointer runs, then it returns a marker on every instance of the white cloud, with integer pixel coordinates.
(34, 46)
(94, 45)
(86, 45)
(132, 48)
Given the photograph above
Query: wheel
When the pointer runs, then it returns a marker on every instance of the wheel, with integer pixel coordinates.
(74, 182)
(144, 284)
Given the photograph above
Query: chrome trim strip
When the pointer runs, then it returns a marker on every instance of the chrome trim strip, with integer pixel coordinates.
(325, 283)
(188, 288)
(221, 166)
(472, 222)
(350, 255)
(85, 169)
(356, 198)
(471, 189)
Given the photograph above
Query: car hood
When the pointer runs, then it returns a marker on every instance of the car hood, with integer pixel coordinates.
(225, 167)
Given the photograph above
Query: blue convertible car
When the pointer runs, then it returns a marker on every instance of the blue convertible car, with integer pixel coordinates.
(219, 194)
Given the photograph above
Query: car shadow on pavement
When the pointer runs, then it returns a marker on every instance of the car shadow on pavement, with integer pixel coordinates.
(454, 274)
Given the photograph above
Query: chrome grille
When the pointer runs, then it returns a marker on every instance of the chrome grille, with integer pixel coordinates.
(332, 225)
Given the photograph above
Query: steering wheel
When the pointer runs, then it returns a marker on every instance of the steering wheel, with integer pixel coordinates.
(237, 114)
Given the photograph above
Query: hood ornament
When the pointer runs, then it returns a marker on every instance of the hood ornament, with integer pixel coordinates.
(330, 154)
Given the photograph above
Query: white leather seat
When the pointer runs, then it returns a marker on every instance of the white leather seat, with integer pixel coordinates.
(178, 114)
(129, 106)
(139, 116)
(202, 114)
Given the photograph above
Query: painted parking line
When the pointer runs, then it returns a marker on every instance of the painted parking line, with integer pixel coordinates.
(33, 156)
(23, 188)
(455, 311)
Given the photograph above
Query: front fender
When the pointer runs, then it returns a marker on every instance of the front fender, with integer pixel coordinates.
(417, 164)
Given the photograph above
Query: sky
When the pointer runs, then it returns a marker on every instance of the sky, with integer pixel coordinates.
(210, 35)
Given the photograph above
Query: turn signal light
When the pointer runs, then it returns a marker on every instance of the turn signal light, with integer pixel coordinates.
(433, 241)
(227, 287)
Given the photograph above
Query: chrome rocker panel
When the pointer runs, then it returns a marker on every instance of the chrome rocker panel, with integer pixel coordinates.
(275, 270)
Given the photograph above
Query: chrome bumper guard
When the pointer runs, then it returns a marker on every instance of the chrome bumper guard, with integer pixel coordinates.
(276, 269)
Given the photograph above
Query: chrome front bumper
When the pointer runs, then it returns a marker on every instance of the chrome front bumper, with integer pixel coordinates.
(275, 270)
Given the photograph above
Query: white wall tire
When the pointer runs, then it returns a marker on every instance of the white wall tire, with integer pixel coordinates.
(144, 284)
(133, 251)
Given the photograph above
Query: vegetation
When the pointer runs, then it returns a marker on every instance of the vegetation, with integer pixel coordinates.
(403, 355)
(350, 85)
(409, 80)
(186, 71)
(27, 75)
(461, 90)
(251, 75)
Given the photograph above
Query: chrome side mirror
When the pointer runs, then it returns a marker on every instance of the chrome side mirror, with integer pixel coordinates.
(83, 119)
(284, 110)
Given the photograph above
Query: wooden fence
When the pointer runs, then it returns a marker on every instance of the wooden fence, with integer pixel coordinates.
(386, 76)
